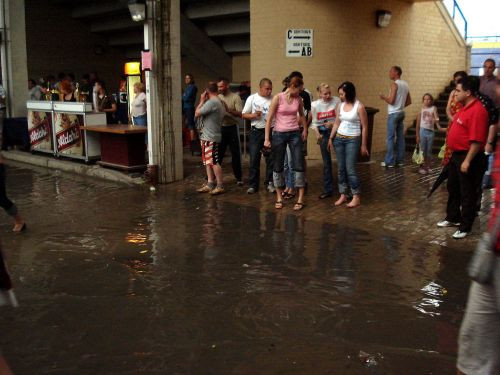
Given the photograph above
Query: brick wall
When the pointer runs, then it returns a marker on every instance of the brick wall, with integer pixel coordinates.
(55, 43)
(348, 46)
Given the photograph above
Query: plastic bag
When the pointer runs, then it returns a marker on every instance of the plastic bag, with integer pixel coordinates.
(418, 156)
(441, 152)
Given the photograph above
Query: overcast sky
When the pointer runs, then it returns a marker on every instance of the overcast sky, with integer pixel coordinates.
(482, 16)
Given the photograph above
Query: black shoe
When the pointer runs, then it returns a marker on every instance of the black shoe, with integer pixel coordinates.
(325, 195)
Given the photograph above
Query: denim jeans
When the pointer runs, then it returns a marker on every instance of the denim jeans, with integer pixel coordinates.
(395, 129)
(255, 144)
(327, 162)
(231, 138)
(280, 141)
(347, 150)
(141, 120)
(288, 170)
(426, 140)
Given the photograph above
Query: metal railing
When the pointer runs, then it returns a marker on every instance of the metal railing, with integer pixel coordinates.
(456, 11)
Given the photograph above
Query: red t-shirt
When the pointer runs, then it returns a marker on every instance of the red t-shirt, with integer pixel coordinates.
(470, 124)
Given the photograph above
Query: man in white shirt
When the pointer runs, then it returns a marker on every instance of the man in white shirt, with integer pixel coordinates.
(255, 110)
(398, 99)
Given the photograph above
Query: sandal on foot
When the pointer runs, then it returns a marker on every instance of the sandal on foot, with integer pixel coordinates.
(289, 196)
(298, 206)
(278, 205)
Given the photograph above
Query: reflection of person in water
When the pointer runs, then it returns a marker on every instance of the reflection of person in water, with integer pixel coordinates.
(7, 297)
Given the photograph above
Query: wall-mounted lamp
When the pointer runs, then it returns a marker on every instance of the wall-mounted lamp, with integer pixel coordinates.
(383, 18)
(137, 10)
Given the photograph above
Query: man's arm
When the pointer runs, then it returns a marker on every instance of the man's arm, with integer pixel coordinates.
(408, 100)
(473, 150)
(391, 98)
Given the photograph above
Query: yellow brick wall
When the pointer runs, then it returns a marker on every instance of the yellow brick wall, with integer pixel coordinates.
(241, 68)
(348, 46)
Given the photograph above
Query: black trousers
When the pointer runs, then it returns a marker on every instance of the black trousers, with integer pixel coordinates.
(230, 138)
(463, 189)
(255, 144)
(5, 202)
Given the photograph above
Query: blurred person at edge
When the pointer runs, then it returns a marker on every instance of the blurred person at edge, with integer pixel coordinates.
(479, 337)
(7, 298)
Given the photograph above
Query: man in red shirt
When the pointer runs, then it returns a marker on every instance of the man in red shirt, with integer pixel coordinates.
(466, 138)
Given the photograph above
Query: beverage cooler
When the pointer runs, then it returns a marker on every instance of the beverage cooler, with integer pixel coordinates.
(40, 128)
(69, 139)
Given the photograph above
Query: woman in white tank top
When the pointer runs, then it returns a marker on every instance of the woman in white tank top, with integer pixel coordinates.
(349, 131)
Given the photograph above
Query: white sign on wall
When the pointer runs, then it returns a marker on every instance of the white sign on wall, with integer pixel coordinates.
(299, 43)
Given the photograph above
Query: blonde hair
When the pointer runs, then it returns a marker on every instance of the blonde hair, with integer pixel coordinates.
(140, 86)
(323, 86)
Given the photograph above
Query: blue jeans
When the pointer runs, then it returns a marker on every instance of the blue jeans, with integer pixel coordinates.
(327, 162)
(426, 140)
(395, 129)
(347, 150)
(280, 141)
(288, 170)
(140, 120)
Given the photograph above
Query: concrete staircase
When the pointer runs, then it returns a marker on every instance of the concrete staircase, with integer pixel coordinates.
(440, 102)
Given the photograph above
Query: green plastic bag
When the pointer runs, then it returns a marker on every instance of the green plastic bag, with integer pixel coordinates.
(441, 152)
(418, 156)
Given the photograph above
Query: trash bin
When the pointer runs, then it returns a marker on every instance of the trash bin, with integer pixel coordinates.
(371, 118)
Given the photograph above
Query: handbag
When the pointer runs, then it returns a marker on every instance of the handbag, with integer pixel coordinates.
(418, 155)
(482, 263)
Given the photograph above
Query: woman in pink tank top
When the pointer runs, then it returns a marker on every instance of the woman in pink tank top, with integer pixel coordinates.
(287, 109)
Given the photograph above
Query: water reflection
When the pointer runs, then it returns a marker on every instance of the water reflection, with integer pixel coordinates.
(196, 283)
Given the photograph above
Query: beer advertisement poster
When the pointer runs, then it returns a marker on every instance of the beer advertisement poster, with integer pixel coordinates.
(40, 130)
(69, 139)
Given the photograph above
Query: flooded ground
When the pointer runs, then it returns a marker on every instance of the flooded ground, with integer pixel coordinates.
(119, 280)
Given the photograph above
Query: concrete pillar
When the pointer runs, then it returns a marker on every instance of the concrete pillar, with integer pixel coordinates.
(13, 56)
(164, 90)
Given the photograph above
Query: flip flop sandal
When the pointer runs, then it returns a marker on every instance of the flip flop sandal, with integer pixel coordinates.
(278, 205)
(298, 206)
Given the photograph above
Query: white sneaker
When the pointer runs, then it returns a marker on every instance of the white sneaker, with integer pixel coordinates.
(271, 188)
(385, 165)
(459, 235)
(446, 223)
(251, 191)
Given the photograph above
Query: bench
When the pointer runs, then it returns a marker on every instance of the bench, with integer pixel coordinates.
(122, 146)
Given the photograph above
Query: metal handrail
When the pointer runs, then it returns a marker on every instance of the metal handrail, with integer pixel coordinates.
(454, 11)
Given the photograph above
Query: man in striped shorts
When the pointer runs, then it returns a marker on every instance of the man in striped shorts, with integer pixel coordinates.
(209, 113)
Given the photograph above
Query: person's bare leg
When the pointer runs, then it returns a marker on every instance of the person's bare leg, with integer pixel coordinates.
(279, 198)
(18, 223)
(341, 200)
(356, 201)
(4, 367)
(300, 199)
(210, 175)
(217, 171)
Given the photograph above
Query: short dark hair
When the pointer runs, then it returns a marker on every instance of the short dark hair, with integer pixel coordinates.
(190, 76)
(212, 87)
(61, 76)
(398, 70)
(101, 83)
(223, 79)
(296, 73)
(470, 83)
(32, 81)
(430, 96)
(265, 80)
(460, 74)
(349, 90)
(491, 61)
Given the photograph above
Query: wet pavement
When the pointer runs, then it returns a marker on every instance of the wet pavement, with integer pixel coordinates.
(119, 280)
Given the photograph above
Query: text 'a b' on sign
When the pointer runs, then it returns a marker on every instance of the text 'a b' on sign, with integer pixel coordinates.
(299, 43)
